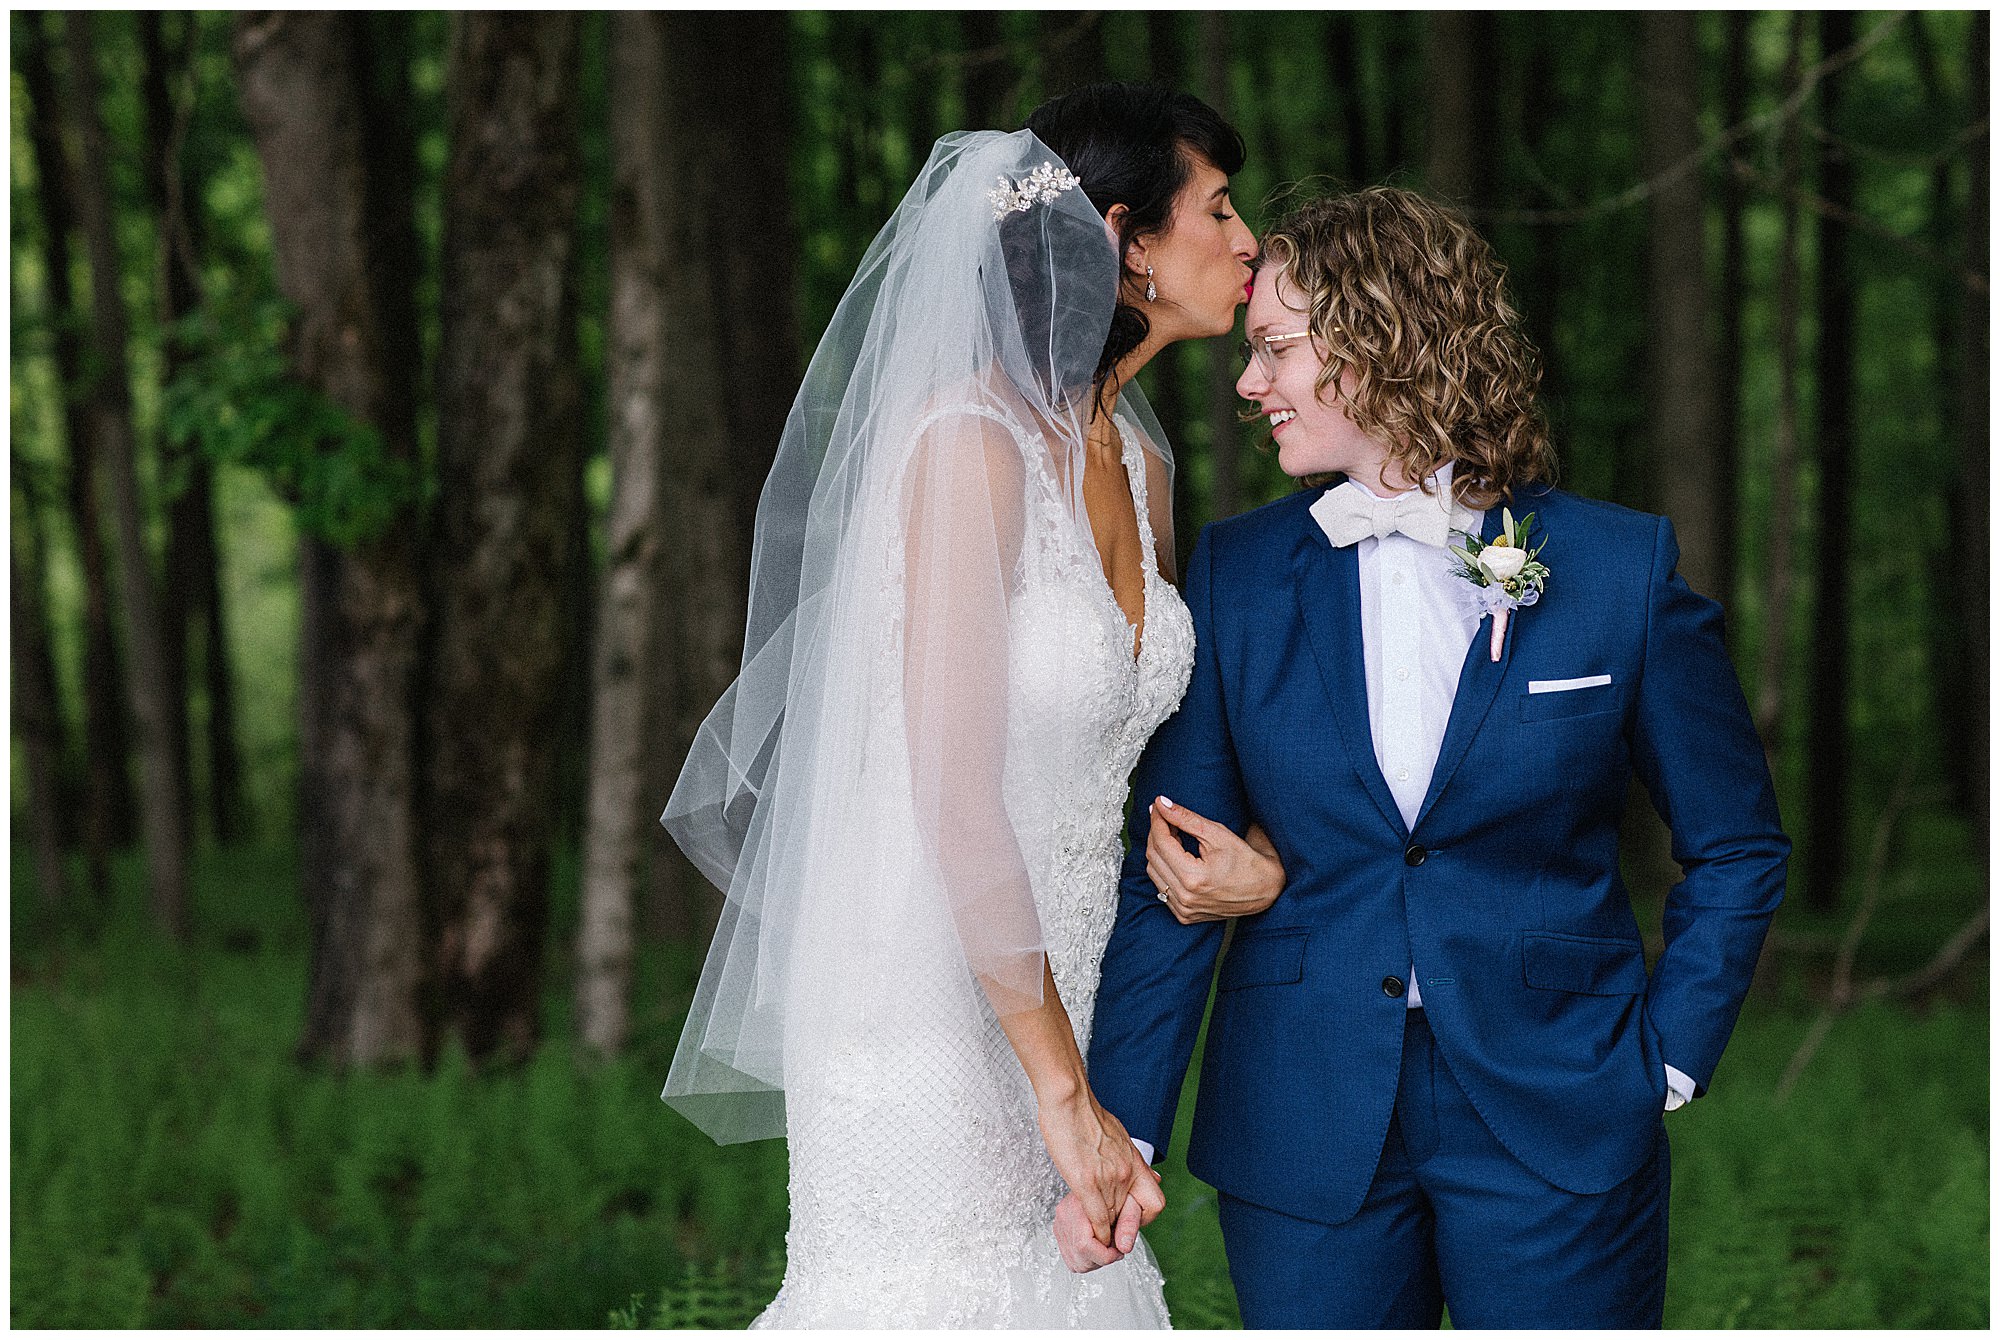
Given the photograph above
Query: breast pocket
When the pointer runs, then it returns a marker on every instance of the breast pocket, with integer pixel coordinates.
(1268, 958)
(1572, 702)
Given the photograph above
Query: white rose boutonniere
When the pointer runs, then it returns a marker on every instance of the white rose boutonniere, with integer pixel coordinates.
(1504, 570)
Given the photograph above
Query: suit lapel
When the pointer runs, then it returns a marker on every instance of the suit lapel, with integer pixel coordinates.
(1479, 681)
(1328, 584)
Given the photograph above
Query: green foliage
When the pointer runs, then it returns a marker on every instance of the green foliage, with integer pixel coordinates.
(714, 1297)
(238, 401)
(1860, 1201)
(172, 1166)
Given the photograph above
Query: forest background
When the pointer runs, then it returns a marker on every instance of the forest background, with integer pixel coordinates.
(390, 396)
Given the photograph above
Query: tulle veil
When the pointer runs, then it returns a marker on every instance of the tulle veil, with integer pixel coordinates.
(846, 791)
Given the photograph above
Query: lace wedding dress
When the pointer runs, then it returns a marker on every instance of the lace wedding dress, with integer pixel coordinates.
(921, 1194)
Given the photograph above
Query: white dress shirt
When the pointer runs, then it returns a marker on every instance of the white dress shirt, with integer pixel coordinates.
(1417, 619)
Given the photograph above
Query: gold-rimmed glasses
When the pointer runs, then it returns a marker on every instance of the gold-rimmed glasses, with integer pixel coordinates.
(1258, 349)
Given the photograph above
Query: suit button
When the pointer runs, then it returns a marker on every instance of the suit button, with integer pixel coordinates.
(1414, 854)
(1392, 986)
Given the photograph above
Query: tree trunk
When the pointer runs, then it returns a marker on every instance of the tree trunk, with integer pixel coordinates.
(1225, 435)
(108, 802)
(1400, 39)
(1343, 67)
(1072, 49)
(990, 71)
(930, 32)
(621, 811)
(1163, 48)
(1735, 283)
(1461, 98)
(36, 713)
(1542, 300)
(1774, 655)
(1972, 417)
(1686, 477)
(1825, 835)
(509, 392)
(1166, 377)
(331, 132)
(162, 819)
(191, 597)
(1957, 622)
(727, 278)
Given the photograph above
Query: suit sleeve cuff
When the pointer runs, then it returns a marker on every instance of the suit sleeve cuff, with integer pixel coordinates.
(1680, 1089)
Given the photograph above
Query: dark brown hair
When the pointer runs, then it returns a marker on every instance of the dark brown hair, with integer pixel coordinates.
(1134, 145)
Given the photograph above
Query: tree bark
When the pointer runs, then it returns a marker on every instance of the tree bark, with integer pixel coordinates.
(509, 392)
(108, 803)
(1825, 835)
(1548, 257)
(1072, 49)
(1462, 102)
(162, 819)
(191, 597)
(37, 715)
(1687, 477)
(1972, 418)
(331, 132)
(1163, 48)
(989, 69)
(1343, 67)
(1959, 332)
(1398, 52)
(728, 278)
(1774, 655)
(1945, 628)
(620, 808)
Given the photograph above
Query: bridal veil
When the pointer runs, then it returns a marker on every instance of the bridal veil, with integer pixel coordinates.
(846, 793)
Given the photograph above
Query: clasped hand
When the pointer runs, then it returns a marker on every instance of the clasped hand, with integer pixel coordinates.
(1113, 1193)
(1230, 877)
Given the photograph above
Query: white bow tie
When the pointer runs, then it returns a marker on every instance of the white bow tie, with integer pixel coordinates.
(1348, 515)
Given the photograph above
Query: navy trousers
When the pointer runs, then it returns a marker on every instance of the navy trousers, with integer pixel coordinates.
(1453, 1221)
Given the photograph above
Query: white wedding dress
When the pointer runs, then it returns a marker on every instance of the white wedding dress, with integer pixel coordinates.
(921, 1193)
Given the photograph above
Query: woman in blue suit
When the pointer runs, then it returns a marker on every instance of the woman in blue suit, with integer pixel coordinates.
(1437, 1067)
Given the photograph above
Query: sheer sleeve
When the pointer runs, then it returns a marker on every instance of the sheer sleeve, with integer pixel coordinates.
(965, 496)
(849, 793)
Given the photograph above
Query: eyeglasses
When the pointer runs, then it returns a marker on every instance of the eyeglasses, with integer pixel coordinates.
(1259, 351)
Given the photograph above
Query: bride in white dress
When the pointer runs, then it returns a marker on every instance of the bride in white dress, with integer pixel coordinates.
(962, 632)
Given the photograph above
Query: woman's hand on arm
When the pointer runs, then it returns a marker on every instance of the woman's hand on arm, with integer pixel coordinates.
(1230, 877)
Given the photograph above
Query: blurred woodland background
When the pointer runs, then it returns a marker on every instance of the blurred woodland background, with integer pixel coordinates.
(391, 395)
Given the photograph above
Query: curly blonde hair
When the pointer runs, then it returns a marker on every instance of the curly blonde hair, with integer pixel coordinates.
(1402, 291)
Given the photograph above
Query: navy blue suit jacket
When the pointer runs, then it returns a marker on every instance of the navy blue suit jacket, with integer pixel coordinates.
(1505, 893)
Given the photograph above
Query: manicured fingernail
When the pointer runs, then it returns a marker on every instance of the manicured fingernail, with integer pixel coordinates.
(1168, 804)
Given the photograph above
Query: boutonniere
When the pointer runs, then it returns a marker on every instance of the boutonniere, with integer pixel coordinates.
(1504, 570)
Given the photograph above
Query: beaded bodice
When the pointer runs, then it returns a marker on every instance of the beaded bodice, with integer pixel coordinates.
(1082, 708)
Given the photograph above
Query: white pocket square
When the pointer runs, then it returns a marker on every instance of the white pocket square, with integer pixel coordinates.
(1565, 685)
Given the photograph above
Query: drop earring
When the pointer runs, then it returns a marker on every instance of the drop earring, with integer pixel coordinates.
(1151, 292)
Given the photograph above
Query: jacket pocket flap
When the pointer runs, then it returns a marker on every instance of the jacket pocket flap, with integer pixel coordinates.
(1588, 966)
(1268, 958)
